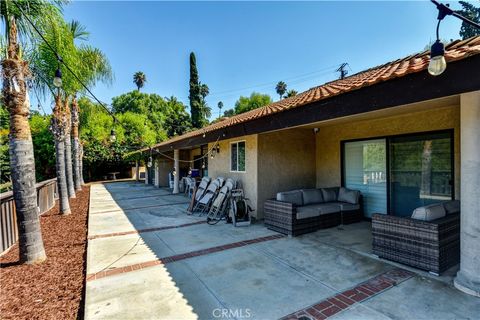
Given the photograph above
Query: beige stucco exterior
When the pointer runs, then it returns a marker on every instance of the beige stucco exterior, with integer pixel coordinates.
(286, 161)
(328, 139)
(220, 166)
(302, 158)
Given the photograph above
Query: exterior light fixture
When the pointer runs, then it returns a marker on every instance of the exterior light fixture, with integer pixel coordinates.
(438, 64)
(113, 136)
(204, 134)
(174, 171)
(190, 171)
(57, 80)
(203, 165)
(150, 162)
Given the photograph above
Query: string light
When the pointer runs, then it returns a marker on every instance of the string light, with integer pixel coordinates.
(149, 163)
(174, 171)
(57, 80)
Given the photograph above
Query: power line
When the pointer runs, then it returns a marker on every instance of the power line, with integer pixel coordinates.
(59, 58)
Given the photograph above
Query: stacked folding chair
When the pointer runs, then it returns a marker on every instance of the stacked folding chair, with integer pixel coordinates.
(203, 204)
(218, 209)
(198, 193)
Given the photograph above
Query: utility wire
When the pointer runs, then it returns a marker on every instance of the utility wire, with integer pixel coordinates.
(59, 58)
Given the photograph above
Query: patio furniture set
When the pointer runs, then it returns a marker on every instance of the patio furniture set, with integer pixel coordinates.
(429, 239)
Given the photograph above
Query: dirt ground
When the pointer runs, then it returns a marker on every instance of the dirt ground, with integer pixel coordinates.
(53, 289)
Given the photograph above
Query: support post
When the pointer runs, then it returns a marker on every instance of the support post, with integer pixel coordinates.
(146, 174)
(468, 277)
(137, 171)
(176, 157)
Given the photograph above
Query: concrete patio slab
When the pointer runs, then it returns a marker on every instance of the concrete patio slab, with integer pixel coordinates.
(247, 279)
(323, 262)
(425, 299)
(209, 270)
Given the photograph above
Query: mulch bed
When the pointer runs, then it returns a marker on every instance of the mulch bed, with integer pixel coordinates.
(53, 289)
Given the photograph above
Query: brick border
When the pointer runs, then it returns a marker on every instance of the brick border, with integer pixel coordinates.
(123, 233)
(152, 206)
(178, 257)
(339, 302)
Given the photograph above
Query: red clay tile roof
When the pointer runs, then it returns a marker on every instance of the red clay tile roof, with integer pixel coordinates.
(456, 50)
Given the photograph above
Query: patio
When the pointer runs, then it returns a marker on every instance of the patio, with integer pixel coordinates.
(148, 259)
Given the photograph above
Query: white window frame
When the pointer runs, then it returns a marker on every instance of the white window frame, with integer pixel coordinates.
(230, 158)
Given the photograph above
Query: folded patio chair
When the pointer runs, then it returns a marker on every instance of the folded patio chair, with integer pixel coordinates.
(189, 186)
(203, 204)
(218, 209)
(202, 187)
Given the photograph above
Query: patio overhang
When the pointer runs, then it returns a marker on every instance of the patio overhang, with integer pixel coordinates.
(405, 90)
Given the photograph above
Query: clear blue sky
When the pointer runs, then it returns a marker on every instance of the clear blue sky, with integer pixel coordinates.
(248, 46)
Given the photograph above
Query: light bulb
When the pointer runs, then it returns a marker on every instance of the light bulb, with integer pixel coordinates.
(149, 163)
(203, 165)
(189, 171)
(57, 80)
(113, 137)
(437, 65)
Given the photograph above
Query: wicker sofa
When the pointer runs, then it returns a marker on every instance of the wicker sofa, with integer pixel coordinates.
(428, 240)
(302, 211)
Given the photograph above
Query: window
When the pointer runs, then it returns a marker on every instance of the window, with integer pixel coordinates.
(400, 173)
(237, 156)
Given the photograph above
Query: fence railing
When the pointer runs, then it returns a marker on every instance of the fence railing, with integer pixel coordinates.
(46, 195)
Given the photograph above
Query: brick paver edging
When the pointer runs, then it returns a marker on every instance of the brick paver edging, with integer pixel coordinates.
(178, 257)
(151, 206)
(335, 304)
(123, 233)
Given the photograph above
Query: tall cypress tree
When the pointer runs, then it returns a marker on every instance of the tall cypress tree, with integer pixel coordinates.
(195, 96)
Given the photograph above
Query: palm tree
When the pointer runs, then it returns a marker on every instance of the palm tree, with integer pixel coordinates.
(291, 93)
(45, 61)
(15, 71)
(281, 88)
(139, 79)
(95, 67)
(220, 106)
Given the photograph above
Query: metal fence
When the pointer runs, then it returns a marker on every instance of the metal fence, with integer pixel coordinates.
(46, 196)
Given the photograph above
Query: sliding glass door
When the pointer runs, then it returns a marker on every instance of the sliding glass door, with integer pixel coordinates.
(366, 170)
(420, 171)
(398, 174)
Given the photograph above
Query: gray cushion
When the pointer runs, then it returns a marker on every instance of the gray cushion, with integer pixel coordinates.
(344, 206)
(430, 212)
(311, 196)
(307, 212)
(349, 196)
(452, 206)
(329, 194)
(294, 197)
(326, 208)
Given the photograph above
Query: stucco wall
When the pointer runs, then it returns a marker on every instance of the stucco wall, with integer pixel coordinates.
(220, 166)
(164, 167)
(329, 138)
(286, 161)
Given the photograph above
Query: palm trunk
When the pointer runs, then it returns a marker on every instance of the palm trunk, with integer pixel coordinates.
(22, 163)
(76, 146)
(68, 152)
(61, 177)
(59, 124)
(81, 164)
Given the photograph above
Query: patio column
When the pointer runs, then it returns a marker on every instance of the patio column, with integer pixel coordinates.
(137, 171)
(157, 173)
(176, 158)
(468, 277)
(146, 174)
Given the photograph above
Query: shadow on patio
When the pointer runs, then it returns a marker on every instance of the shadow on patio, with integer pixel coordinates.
(222, 272)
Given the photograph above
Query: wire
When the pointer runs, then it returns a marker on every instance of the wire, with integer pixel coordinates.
(210, 151)
(59, 58)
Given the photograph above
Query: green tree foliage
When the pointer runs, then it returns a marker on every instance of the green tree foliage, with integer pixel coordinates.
(4, 155)
(471, 12)
(167, 116)
(139, 78)
(281, 88)
(43, 146)
(199, 109)
(229, 113)
(291, 93)
(256, 100)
